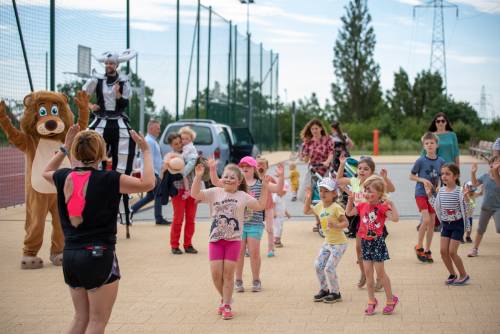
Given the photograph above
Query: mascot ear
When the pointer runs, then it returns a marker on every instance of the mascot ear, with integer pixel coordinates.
(64, 97)
(28, 99)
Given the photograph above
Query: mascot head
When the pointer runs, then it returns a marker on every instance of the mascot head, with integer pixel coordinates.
(46, 114)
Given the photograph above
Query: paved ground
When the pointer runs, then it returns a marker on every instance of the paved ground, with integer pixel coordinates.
(163, 293)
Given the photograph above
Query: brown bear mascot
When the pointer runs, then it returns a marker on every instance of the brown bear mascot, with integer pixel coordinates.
(44, 124)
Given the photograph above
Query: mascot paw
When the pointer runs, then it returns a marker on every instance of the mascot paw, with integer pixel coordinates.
(56, 259)
(82, 100)
(31, 262)
(3, 109)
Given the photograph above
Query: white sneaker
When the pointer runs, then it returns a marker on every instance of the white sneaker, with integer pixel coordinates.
(473, 253)
(238, 286)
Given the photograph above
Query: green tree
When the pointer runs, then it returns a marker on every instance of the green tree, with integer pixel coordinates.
(356, 92)
(427, 89)
(400, 98)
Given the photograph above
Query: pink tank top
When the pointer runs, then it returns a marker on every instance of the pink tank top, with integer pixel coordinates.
(76, 202)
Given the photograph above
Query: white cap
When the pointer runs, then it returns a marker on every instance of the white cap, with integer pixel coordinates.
(329, 184)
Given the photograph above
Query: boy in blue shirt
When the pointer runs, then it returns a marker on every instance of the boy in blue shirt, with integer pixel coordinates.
(426, 170)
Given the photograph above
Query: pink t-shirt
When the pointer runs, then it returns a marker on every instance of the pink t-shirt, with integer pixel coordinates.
(227, 211)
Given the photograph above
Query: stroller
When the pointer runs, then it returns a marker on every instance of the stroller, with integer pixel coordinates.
(350, 170)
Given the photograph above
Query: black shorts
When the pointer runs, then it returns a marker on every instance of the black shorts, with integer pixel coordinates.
(82, 270)
(453, 230)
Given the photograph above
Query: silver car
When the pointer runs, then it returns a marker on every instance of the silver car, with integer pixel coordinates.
(214, 140)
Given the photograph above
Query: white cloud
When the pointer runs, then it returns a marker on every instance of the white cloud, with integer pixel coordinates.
(290, 33)
(148, 26)
(410, 2)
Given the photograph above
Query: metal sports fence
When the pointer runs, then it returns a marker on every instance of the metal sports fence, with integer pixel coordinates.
(193, 61)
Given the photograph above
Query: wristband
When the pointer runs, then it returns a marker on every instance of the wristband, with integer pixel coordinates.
(64, 150)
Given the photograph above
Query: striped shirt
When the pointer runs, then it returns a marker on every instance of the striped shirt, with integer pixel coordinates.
(255, 217)
(450, 204)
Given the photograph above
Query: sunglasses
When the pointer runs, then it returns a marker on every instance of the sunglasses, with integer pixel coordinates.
(363, 157)
(440, 121)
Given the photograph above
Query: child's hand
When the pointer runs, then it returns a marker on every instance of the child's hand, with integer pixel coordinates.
(342, 158)
(473, 169)
(428, 188)
(280, 170)
(211, 163)
(186, 195)
(308, 193)
(265, 181)
(427, 183)
(199, 170)
(383, 173)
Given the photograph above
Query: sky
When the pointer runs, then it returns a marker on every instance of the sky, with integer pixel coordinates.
(302, 32)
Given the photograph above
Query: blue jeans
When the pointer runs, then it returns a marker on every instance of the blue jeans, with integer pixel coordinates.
(151, 195)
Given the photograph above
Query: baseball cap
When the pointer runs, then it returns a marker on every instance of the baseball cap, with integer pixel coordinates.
(328, 183)
(248, 161)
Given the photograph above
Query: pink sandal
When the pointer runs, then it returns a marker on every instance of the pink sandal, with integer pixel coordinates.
(370, 310)
(389, 307)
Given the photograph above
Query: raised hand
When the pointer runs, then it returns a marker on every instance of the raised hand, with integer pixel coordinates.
(139, 140)
(199, 170)
(211, 163)
(280, 170)
(342, 158)
(473, 169)
(70, 135)
(82, 100)
(94, 107)
(383, 173)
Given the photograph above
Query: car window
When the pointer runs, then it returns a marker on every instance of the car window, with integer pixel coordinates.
(242, 136)
(203, 133)
(224, 137)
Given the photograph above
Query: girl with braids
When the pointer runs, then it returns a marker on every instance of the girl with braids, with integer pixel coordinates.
(88, 201)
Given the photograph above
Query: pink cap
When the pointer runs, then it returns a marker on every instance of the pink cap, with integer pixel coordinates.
(248, 160)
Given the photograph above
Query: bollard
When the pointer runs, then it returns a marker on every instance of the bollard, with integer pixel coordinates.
(375, 141)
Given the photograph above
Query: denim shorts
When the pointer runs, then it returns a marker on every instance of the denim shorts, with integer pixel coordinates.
(374, 250)
(252, 231)
(453, 230)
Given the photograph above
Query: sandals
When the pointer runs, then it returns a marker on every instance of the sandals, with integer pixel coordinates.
(370, 309)
(389, 307)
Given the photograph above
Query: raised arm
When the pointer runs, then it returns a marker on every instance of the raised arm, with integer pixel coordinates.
(307, 202)
(82, 102)
(276, 187)
(196, 186)
(388, 183)
(214, 178)
(350, 209)
(392, 213)
(340, 171)
(15, 137)
(473, 176)
(130, 184)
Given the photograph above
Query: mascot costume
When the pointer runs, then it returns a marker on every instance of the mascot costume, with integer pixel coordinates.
(44, 124)
(113, 91)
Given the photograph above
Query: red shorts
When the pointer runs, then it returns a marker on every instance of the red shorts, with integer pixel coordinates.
(423, 204)
(224, 250)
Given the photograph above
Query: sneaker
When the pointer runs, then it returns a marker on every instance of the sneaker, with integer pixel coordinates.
(130, 218)
(461, 281)
(468, 240)
(420, 254)
(332, 298)
(428, 257)
(450, 279)
(163, 221)
(278, 244)
(227, 313)
(256, 285)
(321, 295)
(473, 252)
(238, 286)
(176, 251)
(190, 250)
(220, 309)
(270, 254)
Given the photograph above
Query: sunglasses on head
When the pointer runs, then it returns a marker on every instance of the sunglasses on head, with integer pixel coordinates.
(363, 157)
(441, 120)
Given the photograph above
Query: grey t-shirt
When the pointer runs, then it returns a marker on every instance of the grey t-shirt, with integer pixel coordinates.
(429, 169)
(491, 198)
(255, 217)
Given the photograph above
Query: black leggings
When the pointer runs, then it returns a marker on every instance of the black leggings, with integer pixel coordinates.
(82, 270)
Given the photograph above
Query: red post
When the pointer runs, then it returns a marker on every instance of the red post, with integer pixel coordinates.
(375, 141)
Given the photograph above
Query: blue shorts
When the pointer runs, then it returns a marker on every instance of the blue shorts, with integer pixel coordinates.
(374, 250)
(252, 231)
(453, 230)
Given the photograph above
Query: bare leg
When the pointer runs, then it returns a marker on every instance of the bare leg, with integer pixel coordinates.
(217, 268)
(101, 303)
(445, 255)
(241, 260)
(430, 232)
(477, 241)
(360, 262)
(254, 250)
(457, 260)
(81, 305)
(370, 282)
(228, 279)
(386, 282)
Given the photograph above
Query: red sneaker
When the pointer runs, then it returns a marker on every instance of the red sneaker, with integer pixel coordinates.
(227, 313)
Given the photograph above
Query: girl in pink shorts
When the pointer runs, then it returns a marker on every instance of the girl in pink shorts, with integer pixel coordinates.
(227, 208)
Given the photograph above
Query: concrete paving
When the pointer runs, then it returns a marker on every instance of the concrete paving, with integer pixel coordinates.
(163, 293)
